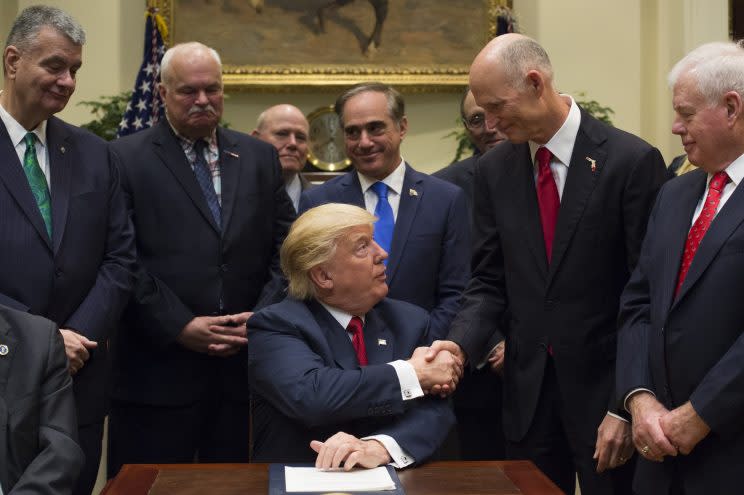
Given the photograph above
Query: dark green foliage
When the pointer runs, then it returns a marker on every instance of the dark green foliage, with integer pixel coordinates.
(108, 111)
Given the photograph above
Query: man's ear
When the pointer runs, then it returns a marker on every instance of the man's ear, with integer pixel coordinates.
(321, 277)
(11, 58)
(162, 90)
(732, 101)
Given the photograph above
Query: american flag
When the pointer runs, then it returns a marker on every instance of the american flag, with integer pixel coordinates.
(145, 108)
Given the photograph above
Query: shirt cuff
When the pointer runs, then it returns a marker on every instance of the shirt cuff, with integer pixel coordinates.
(409, 384)
(484, 361)
(400, 458)
(632, 393)
(617, 416)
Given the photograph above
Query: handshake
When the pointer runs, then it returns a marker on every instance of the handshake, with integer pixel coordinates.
(439, 367)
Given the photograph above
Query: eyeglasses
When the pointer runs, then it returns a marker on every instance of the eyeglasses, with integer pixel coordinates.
(475, 122)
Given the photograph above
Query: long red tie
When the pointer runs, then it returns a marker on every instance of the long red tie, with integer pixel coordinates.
(700, 227)
(357, 339)
(547, 197)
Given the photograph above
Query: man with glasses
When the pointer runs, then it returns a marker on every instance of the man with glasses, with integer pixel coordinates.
(422, 220)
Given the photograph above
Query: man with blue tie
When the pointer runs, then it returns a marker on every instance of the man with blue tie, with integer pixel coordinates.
(423, 221)
(66, 242)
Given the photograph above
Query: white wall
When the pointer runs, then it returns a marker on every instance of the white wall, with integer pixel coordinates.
(618, 53)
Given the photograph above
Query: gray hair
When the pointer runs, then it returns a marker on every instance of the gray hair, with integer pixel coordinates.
(28, 23)
(184, 47)
(521, 56)
(717, 68)
(395, 105)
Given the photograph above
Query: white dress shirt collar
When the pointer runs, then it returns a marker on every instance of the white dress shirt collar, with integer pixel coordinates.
(562, 143)
(17, 132)
(394, 181)
(735, 171)
(342, 317)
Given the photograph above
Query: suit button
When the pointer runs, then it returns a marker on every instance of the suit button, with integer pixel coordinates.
(662, 330)
(549, 303)
(58, 273)
(223, 268)
(370, 412)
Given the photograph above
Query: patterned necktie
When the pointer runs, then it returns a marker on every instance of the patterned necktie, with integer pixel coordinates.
(357, 339)
(37, 181)
(383, 234)
(700, 227)
(204, 177)
(547, 198)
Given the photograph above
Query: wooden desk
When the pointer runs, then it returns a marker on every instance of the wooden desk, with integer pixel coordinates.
(435, 478)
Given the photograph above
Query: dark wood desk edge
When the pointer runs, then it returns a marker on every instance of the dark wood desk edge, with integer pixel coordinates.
(135, 479)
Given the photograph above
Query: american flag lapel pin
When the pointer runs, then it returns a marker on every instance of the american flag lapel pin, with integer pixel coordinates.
(381, 342)
(592, 163)
(412, 192)
(62, 150)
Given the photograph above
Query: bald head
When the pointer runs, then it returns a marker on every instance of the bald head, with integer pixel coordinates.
(285, 127)
(512, 80)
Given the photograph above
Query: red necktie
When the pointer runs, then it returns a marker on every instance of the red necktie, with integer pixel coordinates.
(547, 197)
(357, 339)
(697, 232)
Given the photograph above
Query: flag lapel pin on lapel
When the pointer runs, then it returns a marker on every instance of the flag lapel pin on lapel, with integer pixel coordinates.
(592, 163)
(381, 342)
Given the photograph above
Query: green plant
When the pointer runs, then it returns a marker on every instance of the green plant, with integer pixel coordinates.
(593, 108)
(108, 111)
(463, 142)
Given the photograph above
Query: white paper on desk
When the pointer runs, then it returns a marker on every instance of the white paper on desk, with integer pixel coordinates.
(309, 479)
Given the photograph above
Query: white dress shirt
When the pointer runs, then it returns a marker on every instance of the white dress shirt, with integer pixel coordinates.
(294, 190)
(409, 389)
(17, 132)
(561, 145)
(394, 182)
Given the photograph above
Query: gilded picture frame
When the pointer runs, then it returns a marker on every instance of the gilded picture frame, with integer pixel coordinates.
(279, 45)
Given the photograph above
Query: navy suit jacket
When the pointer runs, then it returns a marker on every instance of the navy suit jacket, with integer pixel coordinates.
(82, 277)
(570, 305)
(690, 347)
(308, 384)
(188, 267)
(429, 260)
(39, 453)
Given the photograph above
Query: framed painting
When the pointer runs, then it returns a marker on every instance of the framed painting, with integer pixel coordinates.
(293, 44)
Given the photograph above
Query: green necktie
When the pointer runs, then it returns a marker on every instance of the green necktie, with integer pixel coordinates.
(37, 181)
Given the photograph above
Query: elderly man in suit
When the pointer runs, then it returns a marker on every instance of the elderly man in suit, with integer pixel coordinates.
(38, 430)
(556, 241)
(66, 242)
(422, 220)
(287, 129)
(330, 364)
(210, 211)
(681, 349)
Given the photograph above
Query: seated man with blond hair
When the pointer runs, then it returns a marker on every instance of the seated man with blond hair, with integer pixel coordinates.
(329, 365)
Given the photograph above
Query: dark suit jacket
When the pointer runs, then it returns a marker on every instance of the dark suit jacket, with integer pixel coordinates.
(81, 278)
(481, 389)
(430, 254)
(39, 453)
(187, 265)
(692, 347)
(572, 304)
(309, 385)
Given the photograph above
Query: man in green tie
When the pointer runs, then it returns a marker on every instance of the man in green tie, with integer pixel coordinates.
(65, 238)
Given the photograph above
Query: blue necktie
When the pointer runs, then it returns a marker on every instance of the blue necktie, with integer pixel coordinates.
(385, 224)
(204, 177)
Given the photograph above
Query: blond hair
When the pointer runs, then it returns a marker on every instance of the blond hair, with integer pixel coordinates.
(312, 240)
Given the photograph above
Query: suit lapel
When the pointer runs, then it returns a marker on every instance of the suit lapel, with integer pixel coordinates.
(350, 190)
(587, 162)
(407, 209)
(172, 155)
(230, 174)
(378, 339)
(60, 151)
(675, 234)
(12, 174)
(6, 338)
(336, 336)
(724, 223)
(525, 201)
